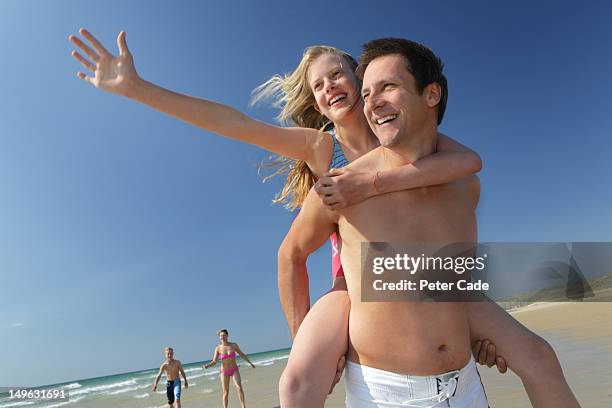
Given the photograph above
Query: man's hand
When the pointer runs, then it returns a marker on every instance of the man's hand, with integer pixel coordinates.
(341, 188)
(186, 385)
(484, 353)
(113, 74)
(154, 388)
(339, 370)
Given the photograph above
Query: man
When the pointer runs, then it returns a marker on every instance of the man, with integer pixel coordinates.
(172, 368)
(428, 340)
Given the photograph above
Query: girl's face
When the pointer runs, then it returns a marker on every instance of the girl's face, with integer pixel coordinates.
(333, 85)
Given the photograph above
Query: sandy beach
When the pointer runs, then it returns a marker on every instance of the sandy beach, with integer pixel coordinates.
(581, 334)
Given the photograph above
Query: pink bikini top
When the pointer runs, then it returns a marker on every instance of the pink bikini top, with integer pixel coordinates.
(229, 355)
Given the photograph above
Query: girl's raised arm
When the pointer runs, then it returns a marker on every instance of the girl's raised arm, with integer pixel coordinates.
(117, 75)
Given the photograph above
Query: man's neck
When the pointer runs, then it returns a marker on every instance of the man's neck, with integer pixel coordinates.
(413, 148)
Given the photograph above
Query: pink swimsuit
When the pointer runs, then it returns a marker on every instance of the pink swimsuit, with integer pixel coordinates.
(338, 160)
(230, 371)
(337, 270)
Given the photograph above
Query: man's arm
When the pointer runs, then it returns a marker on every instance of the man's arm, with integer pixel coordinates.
(161, 370)
(183, 374)
(310, 229)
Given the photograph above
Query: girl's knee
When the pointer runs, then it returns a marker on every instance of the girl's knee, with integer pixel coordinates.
(290, 383)
(542, 359)
(547, 355)
(541, 350)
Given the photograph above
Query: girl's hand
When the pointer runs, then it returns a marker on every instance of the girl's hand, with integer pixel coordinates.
(340, 188)
(113, 74)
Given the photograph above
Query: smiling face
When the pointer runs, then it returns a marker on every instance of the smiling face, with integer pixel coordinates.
(333, 85)
(169, 353)
(222, 335)
(393, 106)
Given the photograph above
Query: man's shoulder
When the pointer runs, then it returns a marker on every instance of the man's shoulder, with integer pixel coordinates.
(465, 184)
(468, 188)
(366, 162)
(468, 181)
(471, 182)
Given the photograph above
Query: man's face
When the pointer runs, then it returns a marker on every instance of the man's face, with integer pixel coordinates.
(393, 107)
(169, 354)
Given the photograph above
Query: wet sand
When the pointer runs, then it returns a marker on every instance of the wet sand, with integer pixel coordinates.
(581, 334)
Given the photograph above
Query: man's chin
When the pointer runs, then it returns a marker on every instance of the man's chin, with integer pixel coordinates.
(387, 140)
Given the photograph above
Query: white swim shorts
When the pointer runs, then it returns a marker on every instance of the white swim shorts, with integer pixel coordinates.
(368, 387)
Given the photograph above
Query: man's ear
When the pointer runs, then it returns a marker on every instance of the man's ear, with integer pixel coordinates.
(433, 94)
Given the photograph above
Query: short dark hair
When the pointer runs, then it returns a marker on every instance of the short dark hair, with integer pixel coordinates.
(223, 331)
(421, 62)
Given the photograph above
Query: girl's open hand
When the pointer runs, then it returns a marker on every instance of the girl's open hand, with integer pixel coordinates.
(113, 74)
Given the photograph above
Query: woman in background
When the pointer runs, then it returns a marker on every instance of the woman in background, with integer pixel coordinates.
(226, 352)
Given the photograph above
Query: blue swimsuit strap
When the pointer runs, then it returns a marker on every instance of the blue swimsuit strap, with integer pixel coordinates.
(338, 157)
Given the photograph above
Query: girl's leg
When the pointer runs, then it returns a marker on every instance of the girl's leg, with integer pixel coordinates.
(225, 386)
(238, 384)
(527, 354)
(321, 341)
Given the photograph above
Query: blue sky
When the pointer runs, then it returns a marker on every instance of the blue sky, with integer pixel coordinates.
(122, 230)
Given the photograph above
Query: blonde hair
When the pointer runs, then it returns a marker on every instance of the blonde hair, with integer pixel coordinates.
(292, 94)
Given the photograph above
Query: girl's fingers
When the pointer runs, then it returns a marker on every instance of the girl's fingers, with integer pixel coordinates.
(334, 172)
(320, 189)
(335, 207)
(122, 44)
(85, 77)
(83, 61)
(325, 181)
(329, 200)
(94, 41)
(90, 53)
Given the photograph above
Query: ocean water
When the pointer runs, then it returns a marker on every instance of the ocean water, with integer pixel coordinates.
(134, 389)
